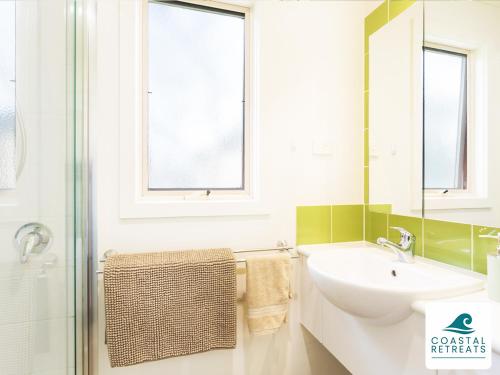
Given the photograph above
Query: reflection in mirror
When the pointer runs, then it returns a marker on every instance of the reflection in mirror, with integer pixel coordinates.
(7, 95)
(461, 112)
(395, 116)
(445, 115)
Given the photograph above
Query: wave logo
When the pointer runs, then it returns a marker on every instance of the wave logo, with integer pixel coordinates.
(465, 344)
(461, 325)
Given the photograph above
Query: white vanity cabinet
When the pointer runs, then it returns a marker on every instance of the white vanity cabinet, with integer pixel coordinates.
(310, 302)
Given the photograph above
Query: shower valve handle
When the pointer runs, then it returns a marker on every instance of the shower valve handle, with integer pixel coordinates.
(31, 238)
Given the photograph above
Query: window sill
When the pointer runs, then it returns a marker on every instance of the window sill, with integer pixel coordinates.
(456, 203)
(155, 208)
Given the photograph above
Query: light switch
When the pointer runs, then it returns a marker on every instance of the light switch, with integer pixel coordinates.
(322, 148)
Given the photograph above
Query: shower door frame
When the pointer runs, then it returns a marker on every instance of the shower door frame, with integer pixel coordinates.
(86, 330)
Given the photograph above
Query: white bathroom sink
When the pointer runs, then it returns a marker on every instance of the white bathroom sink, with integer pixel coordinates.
(370, 283)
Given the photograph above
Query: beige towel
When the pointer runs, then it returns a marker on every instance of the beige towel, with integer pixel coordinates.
(166, 304)
(268, 292)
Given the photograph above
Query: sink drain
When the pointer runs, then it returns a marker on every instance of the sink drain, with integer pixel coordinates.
(393, 273)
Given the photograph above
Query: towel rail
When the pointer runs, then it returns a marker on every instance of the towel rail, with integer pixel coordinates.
(281, 246)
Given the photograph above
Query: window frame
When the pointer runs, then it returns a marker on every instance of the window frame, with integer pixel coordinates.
(471, 181)
(194, 194)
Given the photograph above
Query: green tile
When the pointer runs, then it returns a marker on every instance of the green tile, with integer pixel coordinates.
(366, 185)
(366, 132)
(313, 224)
(366, 148)
(381, 208)
(367, 229)
(347, 223)
(366, 103)
(448, 242)
(375, 20)
(483, 246)
(376, 225)
(396, 7)
(411, 224)
(367, 70)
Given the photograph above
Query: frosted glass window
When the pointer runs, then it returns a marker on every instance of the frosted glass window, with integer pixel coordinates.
(196, 98)
(445, 119)
(7, 94)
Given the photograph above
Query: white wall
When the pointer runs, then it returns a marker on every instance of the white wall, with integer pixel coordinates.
(310, 63)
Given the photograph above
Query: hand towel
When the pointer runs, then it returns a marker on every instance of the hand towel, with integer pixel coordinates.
(165, 304)
(268, 292)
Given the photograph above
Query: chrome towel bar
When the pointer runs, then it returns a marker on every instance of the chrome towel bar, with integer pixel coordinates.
(281, 246)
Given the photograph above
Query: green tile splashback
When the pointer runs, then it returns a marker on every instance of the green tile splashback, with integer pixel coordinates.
(347, 223)
(367, 71)
(482, 246)
(376, 225)
(366, 104)
(366, 135)
(366, 195)
(452, 243)
(326, 224)
(375, 20)
(448, 242)
(381, 208)
(313, 224)
(397, 7)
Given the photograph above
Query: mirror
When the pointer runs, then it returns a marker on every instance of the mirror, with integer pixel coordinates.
(433, 125)
(7, 95)
(461, 93)
(395, 120)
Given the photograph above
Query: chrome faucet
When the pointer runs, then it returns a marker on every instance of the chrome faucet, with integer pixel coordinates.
(405, 249)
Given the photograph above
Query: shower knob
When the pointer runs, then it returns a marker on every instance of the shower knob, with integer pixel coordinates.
(31, 238)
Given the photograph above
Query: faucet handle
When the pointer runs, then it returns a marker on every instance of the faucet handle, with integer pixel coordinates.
(403, 231)
(406, 236)
(399, 229)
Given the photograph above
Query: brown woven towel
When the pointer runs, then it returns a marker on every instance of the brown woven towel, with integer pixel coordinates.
(166, 304)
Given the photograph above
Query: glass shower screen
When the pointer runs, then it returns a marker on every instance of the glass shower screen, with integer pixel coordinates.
(7, 94)
(37, 169)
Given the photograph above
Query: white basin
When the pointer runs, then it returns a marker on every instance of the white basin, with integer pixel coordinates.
(371, 284)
